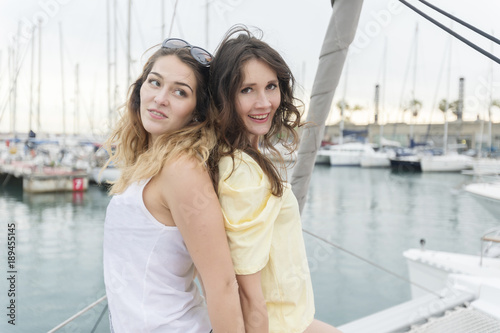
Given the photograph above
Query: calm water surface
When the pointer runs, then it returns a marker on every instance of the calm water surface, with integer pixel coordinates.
(374, 213)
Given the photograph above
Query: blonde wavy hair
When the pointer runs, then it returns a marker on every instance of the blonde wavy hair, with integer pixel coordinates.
(129, 144)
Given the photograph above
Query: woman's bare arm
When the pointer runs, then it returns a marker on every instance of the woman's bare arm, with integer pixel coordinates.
(253, 303)
(189, 194)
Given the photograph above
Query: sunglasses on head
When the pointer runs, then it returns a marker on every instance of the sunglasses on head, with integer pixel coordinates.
(201, 55)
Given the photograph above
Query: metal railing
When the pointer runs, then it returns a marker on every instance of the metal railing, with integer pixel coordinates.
(81, 312)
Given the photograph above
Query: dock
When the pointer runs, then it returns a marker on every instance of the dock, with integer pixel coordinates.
(43, 179)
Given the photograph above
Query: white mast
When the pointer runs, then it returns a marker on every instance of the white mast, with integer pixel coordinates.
(115, 54)
(207, 22)
(32, 74)
(39, 126)
(490, 105)
(108, 49)
(339, 35)
(63, 92)
(11, 79)
(343, 105)
(447, 104)
(384, 71)
(77, 97)
(16, 74)
(129, 24)
(414, 105)
(162, 2)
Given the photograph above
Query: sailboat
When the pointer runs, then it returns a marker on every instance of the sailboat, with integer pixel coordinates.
(379, 158)
(408, 159)
(449, 161)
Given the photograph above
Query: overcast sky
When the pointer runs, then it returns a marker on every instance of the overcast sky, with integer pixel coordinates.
(296, 28)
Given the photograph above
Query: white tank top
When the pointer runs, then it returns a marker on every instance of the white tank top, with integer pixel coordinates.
(148, 272)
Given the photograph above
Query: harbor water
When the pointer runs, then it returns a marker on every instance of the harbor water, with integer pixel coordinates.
(373, 213)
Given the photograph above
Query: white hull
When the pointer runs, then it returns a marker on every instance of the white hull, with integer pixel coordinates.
(445, 163)
(375, 160)
(348, 154)
(487, 194)
(486, 166)
(461, 291)
(431, 268)
(349, 159)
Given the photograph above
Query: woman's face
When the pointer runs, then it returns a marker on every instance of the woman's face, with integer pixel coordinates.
(168, 96)
(258, 98)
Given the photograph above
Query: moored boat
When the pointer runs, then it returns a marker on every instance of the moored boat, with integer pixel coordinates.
(347, 154)
(487, 194)
(445, 163)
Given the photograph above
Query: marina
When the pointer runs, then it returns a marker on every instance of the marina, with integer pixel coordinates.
(374, 213)
(400, 199)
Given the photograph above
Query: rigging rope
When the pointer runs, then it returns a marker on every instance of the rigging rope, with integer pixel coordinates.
(456, 19)
(373, 264)
(451, 32)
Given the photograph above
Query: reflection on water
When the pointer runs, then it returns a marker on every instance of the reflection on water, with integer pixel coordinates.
(371, 212)
(58, 257)
(378, 214)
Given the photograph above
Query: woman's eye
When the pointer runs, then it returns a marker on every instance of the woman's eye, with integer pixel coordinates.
(246, 90)
(180, 92)
(154, 82)
(272, 86)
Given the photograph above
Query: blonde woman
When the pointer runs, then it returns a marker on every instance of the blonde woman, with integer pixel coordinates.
(164, 223)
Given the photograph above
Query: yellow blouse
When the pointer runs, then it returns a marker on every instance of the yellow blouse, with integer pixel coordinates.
(265, 233)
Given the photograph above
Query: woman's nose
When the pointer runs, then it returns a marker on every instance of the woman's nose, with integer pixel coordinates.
(161, 98)
(263, 100)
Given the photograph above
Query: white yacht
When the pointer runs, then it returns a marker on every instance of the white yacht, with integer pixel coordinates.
(486, 166)
(487, 194)
(347, 154)
(377, 159)
(452, 162)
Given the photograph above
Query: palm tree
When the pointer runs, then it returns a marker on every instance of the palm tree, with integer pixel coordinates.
(415, 106)
(342, 105)
(495, 102)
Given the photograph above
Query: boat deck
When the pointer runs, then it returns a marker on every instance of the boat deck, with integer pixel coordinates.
(460, 320)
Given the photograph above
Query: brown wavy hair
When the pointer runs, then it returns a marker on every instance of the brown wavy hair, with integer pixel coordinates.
(226, 76)
(129, 144)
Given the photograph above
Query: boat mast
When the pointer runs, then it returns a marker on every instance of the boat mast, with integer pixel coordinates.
(39, 127)
(129, 28)
(32, 74)
(115, 54)
(162, 2)
(173, 19)
(342, 105)
(377, 100)
(447, 104)
(384, 72)
(63, 92)
(108, 51)
(414, 104)
(11, 82)
(77, 93)
(207, 22)
(16, 75)
(490, 102)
